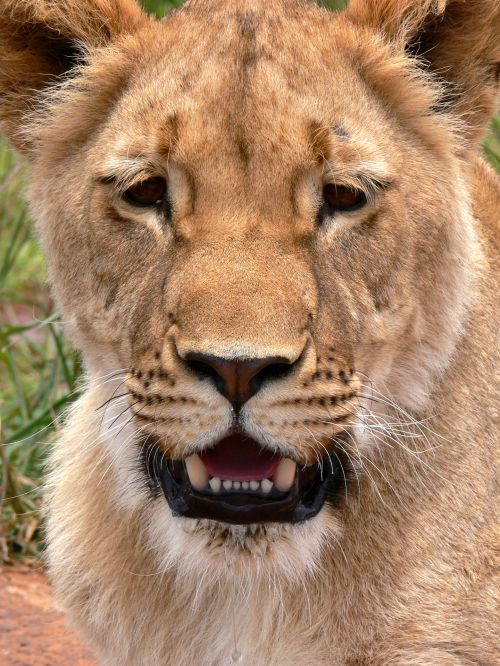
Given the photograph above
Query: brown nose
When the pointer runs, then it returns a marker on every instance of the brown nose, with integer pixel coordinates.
(238, 380)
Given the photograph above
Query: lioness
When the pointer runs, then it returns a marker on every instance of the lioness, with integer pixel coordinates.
(271, 234)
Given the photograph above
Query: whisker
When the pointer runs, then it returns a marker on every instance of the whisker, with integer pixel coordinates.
(109, 400)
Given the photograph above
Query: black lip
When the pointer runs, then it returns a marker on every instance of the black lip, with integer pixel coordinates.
(312, 487)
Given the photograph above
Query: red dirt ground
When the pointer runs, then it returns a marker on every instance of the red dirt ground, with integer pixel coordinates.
(32, 632)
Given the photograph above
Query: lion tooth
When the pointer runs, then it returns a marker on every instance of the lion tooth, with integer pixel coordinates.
(215, 484)
(285, 474)
(266, 485)
(227, 484)
(236, 485)
(254, 485)
(245, 485)
(197, 472)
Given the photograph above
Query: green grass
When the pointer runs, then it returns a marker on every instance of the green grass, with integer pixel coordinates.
(38, 369)
(160, 7)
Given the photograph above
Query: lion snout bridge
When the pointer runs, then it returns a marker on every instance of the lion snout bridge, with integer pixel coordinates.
(239, 379)
(242, 313)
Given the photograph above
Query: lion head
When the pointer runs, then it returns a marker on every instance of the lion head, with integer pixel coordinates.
(258, 231)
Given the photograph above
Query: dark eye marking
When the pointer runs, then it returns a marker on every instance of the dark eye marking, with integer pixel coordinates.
(148, 193)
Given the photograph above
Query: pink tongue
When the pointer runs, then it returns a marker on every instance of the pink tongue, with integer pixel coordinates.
(240, 459)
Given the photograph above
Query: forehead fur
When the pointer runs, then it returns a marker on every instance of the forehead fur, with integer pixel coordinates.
(174, 69)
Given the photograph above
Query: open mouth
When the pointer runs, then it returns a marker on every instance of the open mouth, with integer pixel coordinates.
(240, 482)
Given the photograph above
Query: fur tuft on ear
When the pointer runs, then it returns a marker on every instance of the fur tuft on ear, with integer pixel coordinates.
(41, 40)
(457, 40)
(397, 19)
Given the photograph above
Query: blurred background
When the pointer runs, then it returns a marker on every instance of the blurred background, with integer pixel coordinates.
(39, 370)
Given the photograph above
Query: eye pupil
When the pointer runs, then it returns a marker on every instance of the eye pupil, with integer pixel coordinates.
(150, 192)
(341, 197)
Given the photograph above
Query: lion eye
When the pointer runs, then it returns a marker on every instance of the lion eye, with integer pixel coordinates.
(150, 192)
(342, 198)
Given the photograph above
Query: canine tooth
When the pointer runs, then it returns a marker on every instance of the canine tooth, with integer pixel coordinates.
(227, 484)
(254, 485)
(266, 485)
(197, 472)
(236, 485)
(285, 474)
(215, 484)
(245, 485)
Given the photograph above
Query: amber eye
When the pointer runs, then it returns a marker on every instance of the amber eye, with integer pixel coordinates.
(150, 192)
(342, 198)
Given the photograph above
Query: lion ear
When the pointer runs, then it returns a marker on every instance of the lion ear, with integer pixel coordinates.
(41, 40)
(458, 40)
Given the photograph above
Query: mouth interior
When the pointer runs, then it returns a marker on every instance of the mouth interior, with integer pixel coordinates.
(239, 458)
(239, 481)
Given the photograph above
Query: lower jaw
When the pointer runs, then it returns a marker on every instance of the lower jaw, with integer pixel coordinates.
(312, 486)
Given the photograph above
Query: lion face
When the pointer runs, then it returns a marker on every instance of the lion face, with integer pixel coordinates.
(255, 231)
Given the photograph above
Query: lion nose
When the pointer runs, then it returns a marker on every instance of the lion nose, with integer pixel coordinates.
(238, 380)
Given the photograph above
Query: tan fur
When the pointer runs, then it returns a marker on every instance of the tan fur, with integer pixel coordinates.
(247, 107)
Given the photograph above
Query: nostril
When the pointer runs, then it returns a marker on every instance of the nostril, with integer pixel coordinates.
(274, 371)
(206, 371)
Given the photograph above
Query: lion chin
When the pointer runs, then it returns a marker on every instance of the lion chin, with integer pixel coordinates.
(234, 551)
